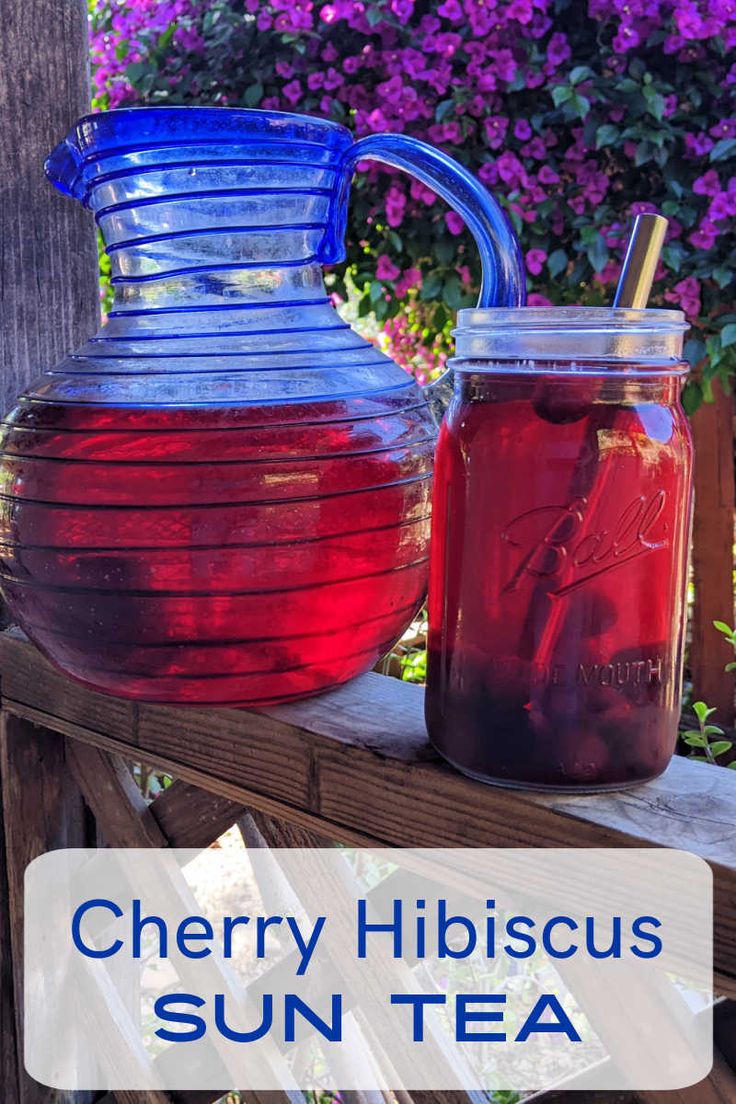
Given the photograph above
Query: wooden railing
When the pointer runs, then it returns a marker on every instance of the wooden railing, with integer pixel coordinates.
(351, 767)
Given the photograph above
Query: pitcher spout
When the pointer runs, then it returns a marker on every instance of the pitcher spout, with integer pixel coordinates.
(62, 167)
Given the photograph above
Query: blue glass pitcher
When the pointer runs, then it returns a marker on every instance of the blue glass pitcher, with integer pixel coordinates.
(223, 497)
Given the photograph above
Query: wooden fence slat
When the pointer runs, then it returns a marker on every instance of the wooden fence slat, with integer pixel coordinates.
(9, 1043)
(42, 810)
(111, 793)
(261, 830)
(712, 426)
(127, 821)
(191, 817)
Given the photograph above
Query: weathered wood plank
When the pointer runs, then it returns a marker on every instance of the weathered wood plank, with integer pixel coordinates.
(42, 810)
(191, 817)
(121, 1096)
(155, 1096)
(9, 1045)
(712, 427)
(111, 793)
(355, 766)
(57, 694)
(48, 262)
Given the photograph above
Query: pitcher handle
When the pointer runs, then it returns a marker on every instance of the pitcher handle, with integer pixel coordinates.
(503, 283)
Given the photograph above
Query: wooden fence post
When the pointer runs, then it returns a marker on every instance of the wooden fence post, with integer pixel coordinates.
(48, 291)
(48, 260)
(712, 427)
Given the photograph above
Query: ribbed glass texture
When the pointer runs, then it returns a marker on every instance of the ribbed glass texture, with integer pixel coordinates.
(223, 497)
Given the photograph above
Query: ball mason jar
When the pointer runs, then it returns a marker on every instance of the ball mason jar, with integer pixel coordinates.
(561, 521)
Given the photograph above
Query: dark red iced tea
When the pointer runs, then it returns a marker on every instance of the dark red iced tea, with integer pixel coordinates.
(557, 577)
(214, 554)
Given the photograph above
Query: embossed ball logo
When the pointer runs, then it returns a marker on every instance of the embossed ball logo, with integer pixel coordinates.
(572, 544)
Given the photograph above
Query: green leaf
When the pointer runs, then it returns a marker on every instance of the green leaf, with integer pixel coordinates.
(692, 397)
(728, 335)
(376, 291)
(580, 73)
(732, 766)
(729, 667)
(165, 38)
(374, 15)
(431, 286)
(137, 71)
(606, 135)
(673, 254)
(364, 307)
(452, 292)
(253, 95)
(557, 262)
(712, 730)
(445, 250)
(443, 109)
(707, 387)
(561, 93)
(597, 252)
(381, 309)
(580, 104)
(694, 739)
(723, 149)
(723, 627)
(720, 747)
(643, 153)
(722, 275)
(655, 101)
(694, 350)
(701, 711)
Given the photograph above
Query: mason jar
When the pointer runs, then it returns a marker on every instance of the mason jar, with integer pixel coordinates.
(561, 520)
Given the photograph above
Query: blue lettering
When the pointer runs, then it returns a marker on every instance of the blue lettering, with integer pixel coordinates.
(183, 936)
(80, 912)
(512, 930)
(243, 1036)
(418, 1000)
(444, 922)
(562, 1026)
(364, 927)
(637, 930)
(294, 1004)
(553, 922)
(162, 1009)
(464, 1017)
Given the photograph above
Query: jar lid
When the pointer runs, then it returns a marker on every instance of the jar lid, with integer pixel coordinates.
(571, 334)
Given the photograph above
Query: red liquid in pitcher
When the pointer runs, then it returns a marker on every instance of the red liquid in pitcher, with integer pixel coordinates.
(557, 579)
(216, 555)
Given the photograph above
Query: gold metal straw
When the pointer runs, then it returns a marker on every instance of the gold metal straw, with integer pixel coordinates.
(640, 262)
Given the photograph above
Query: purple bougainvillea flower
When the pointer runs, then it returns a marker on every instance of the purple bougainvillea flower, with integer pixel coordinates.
(535, 259)
(541, 114)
